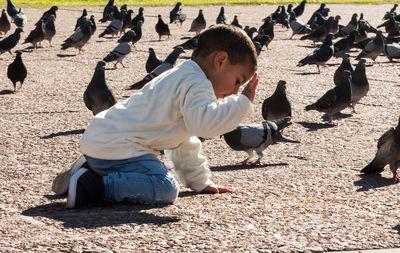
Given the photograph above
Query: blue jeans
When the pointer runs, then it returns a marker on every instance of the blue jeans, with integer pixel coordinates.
(142, 180)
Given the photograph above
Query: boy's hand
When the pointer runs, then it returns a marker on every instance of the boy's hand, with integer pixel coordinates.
(250, 89)
(217, 189)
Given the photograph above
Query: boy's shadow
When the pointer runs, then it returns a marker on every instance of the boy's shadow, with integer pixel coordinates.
(245, 166)
(368, 182)
(99, 216)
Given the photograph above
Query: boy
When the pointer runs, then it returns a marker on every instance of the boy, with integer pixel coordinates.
(192, 99)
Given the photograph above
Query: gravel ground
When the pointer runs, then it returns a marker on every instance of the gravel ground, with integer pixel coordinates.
(304, 197)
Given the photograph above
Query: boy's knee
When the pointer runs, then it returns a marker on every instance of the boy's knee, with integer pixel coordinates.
(169, 192)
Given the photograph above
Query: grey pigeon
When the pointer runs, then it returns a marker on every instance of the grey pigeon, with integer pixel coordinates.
(191, 43)
(236, 22)
(36, 35)
(283, 18)
(167, 64)
(351, 26)
(335, 99)
(278, 105)
(11, 9)
(5, 25)
(46, 14)
(49, 29)
(361, 33)
(392, 51)
(373, 49)
(10, 42)
(121, 50)
(176, 15)
(162, 28)
(81, 19)
(344, 45)
(297, 26)
(388, 153)
(20, 19)
(115, 25)
(388, 13)
(321, 55)
(16, 71)
(368, 27)
(299, 10)
(152, 61)
(198, 24)
(359, 84)
(98, 96)
(340, 71)
(138, 17)
(222, 19)
(257, 137)
(79, 38)
(107, 12)
(335, 25)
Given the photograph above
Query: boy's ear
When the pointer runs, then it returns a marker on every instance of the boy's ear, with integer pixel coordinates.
(220, 58)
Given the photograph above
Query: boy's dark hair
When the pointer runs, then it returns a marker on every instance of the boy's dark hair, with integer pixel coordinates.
(227, 38)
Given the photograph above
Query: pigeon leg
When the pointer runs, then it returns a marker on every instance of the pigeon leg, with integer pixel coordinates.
(115, 65)
(246, 161)
(291, 36)
(319, 72)
(353, 109)
(11, 53)
(260, 154)
(123, 65)
(393, 168)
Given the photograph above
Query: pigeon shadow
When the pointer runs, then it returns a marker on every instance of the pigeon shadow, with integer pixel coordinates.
(186, 38)
(64, 133)
(6, 92)
(332, 64)
(307, 46)
(326, 116)
(187, 194)
(185, 57)
(154, 40)
(397, 228)
(96, 217)
(245, 166)
(66, 55)
(312, 126)
(100, 41)
(307, 73)
(373, 181)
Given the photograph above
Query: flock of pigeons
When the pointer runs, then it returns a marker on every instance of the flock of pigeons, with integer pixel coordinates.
(351, 85)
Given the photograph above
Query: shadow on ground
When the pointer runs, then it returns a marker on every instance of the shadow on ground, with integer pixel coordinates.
(312, 126)
(368, 182)
(99, 216)
(6, 92)
(245, 166)
(63, 133)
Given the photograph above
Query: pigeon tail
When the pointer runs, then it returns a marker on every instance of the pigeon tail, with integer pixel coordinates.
(373, 168)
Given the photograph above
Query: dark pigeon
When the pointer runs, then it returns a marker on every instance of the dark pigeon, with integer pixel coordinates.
(127, 22)
(108, 12)
(250, 31)
(351, 26)
(335, 99)
(321, 55)
(283, 18)
(367, 26)
(46, 14)
(275, 15)
(299, 10)
(191, 43)
(267, 27)
(98, 96)
(49, 29)
(81, 19)
(115, 25)
(10, 42)
(167, 64)
(388, 153)
(79, 38)
(361, 33)
(344, 45)
(198, 24)
(17, 72)
(152, 61)
(222, 19)
(257, 137)
(321, 10)
(138, 31)
(236, 22)
(5, 25)
(121, 50)
(20, 19)
(36, 35)
(258, 47)
(388, 13)
(319, 34)
(278, 105)
(11, 9)
(162, 28)
(92, 25)
(340, 71)
(359, 84)
(263, 39)
(176, 15)
(138, 17)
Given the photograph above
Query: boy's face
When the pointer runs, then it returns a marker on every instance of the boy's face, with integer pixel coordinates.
(227, 78)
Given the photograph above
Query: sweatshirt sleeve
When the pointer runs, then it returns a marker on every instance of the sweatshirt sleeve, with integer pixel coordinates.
(207, 117)
(190, 166)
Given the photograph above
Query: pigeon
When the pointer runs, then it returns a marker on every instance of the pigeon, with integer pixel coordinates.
(250, 31)
(392, 51)
(191, 43)
(321, 55)
(392, 27)
(344, 45)
(351, 26)
(222, 19)
(138, 31)
(258, 47)
(36, 35)
(299, 10)
(46, 14)
(275, 15)
(297, 26)
(263, 39)
(176, 14)
(121, 50)
(283, 18)
(79, 38)
(98, 96)
(367, 26)
(361, 33)
(373, 49)
(162, 28)
(334, 29)
(49, 29)
(10, 42)
(5, 25)
(124, 7)
(127, 21)
(257, 137)
(319, 20)
(388, 13)
(267, 27)
(152, 61)
(340, 71)
(278, 105)
(321, 10)
(16, 71)
(359, 84)
(319, 34)
(199, 23)
(108, 12)
(20, 19)
(236, 22)
(11, 9)
(81, 19)
(92, 25)
(138, 17)
(388, 153)
(115, 25)
(167, 64)
(335, 99)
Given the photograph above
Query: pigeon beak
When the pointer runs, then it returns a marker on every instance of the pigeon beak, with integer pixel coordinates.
(280, 138)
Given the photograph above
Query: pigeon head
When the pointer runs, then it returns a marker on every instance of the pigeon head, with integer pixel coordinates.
(179, 50)
(361, 15)
(178, 4)
(141, 10)
(18, 52)
(347, 75)
(292, 15)
(124, 7)
(4, 11)
(151, 50)
(19, 30)
(101, 65)
(277, 126)
(54, 8)
(281, 85)
(361, 62)
(222, 9)
(346, 57)
(84, 12)
(329, 37)
(159, 16)
(337, 17)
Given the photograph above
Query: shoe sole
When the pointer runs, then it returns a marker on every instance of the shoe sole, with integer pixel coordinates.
(61, 182)
(73, 183)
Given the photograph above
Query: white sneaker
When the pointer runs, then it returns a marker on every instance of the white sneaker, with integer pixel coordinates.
(61, 182)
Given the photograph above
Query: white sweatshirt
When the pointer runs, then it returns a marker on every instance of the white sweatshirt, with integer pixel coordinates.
(163, 115)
